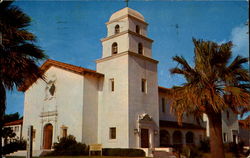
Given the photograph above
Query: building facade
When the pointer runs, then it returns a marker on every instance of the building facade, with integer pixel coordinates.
(118, 105)
(16, 127)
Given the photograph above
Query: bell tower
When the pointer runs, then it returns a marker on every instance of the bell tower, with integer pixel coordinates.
(129, 89)
(126, 31)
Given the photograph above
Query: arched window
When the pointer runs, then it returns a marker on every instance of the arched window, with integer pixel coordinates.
(189, 138)
(137, 29)
(117, 29)
(164, 138)
(177, 137)
(140, 48)
(114, 48)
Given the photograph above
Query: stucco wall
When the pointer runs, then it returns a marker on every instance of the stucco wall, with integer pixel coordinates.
(142, 102)
(90, 110)
(67, 103)
(122, 42)
(143, 26)
(113, 106)
(123, 23)
(167, 115)
(33, 105)
(133, 45)
(229, 124)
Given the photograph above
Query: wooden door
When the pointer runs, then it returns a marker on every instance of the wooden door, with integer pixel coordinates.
(144, 138)
(47, 136)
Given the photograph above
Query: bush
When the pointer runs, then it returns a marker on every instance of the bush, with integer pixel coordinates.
(192, 152)
(123, 152)
(234, 148)
(69, 146)
(205, 145)
(14, 146)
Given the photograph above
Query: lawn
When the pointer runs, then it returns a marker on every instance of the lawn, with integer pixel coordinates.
(228, 155)
(76, 157)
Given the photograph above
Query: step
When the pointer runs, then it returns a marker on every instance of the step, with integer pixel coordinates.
(35, 153)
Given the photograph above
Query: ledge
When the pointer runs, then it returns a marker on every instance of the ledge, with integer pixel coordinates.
(127, 53)
(129, 32)
(127, 16)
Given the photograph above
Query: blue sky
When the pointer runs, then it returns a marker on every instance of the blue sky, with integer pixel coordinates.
(70, 31)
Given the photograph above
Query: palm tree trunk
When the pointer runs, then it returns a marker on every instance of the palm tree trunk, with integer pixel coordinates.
(2, 111)
(215, 132)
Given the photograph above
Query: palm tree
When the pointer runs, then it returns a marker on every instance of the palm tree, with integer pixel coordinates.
(18, 54)
(212, 86)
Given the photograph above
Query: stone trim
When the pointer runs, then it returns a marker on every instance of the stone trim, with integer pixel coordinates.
(127, 16)
(124, 32)
(48, 113)
(127, 53)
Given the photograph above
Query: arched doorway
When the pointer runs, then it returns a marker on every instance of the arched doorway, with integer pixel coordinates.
(47, 136)
(177, 138)
(189, 138)
(164, 138)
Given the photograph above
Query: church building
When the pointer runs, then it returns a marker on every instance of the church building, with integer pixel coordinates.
(118, 105)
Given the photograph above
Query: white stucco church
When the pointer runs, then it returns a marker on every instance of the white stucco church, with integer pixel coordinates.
(120, 105)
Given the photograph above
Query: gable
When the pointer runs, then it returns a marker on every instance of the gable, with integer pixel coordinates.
(68, 67)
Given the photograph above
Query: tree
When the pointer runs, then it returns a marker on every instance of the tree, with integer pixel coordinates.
(212, 86)
(7, 131)
(18, 54)
(11, 117)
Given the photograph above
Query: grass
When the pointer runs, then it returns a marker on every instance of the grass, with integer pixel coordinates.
(228, 155)
(205, 155)
(75, 157)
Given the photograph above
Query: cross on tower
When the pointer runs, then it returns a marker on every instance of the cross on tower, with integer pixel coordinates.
(126, 2)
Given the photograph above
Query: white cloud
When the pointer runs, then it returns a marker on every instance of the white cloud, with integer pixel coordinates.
(240, 39)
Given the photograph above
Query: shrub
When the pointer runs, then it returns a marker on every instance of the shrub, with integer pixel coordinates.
(69, 146)
(236, 149)
(123, 152)
(14, 146)
(205, 145)
(192, 152)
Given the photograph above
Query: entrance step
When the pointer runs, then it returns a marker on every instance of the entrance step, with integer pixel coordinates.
(35, 153)
(163, 154)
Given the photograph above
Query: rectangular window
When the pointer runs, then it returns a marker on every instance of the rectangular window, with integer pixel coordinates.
(112, 133)
(16, 129)
(64, 132)
(144, 85)
(112, 85)
(33, 134)
(163, 104)
(225, 137)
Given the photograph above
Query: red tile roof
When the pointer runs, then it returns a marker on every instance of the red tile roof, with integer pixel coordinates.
(16, 122)
(65, 66)
(163, 89)
(245, 123)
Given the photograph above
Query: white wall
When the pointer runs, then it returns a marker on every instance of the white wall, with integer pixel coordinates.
(143, 26)
(123, 23)
(133, 45)
(167, 115)
(90, 110)
(122, 42)
(140, 102)
(33, 106)
(113, 106)
(229, 124)
(67, 102)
